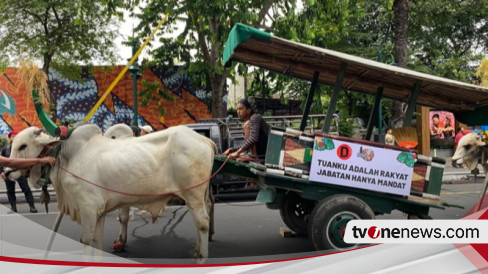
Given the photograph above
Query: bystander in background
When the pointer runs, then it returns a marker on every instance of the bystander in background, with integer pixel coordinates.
(460, 133)
(22, 181)
(389, 137)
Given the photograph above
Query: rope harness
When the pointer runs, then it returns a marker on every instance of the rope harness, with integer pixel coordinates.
(475, 151)
(44, 181)
(54, 152)
(144, 195)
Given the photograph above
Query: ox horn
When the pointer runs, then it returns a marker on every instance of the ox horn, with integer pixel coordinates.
(50, 126)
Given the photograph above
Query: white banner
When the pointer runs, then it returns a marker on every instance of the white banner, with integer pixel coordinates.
(361, 166)
(416, 231)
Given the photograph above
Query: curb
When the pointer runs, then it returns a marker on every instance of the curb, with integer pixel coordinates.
(462, 177)
(36, 193)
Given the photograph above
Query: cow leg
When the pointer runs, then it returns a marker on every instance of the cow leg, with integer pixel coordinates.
(121, 241)
(482, 194)
(200, 216)
(484, 160)
(98, 238)
(88, 228)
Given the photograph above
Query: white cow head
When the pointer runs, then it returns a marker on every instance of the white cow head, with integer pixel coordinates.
(468, 150)
(29, 143)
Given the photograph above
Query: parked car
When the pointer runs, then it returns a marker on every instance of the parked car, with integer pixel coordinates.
(225, 133)
(229, 133)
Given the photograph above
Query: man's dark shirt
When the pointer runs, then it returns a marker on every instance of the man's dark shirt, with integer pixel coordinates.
(258, 135)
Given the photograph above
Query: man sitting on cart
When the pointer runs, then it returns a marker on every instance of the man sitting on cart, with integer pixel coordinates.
(256, 132)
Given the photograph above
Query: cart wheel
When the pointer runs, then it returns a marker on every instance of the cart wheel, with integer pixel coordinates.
(327, 224)
(295, 212)
(418, 217)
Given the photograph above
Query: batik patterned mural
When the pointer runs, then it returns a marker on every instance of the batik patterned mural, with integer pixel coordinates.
(75, 98)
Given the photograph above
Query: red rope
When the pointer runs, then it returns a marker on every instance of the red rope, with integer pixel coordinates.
(142, 195)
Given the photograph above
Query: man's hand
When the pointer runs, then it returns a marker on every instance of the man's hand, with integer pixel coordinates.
(48, 160)
(234, 155)
(3, 175)
(227, 152)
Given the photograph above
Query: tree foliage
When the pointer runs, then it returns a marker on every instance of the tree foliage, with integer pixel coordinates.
(446, 37)
(200, 43)
(482, 72)
(400, 32)
(56, 32)
(323, 23)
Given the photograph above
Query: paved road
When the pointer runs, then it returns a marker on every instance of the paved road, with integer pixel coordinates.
(243, 229)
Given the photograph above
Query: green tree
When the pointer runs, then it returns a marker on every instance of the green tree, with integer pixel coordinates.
(323, 23)
(482, 72)
(364, 28)
(400, 50)
(443, 35)
(400, 32)
(446, 36)
(370, 35)
(200, 44)
(58, 33)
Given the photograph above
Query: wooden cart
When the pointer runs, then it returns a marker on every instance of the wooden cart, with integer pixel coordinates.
(322, 208)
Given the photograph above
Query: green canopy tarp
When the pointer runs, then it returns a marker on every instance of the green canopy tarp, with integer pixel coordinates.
(255, 47)
(240, 33)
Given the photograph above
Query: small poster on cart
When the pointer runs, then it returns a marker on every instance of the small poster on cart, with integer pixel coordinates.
(362, 166)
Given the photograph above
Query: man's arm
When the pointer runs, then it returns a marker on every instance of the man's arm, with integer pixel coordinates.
(25, 163)
(254, 124)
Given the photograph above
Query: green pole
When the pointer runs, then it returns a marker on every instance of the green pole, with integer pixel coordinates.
(135, 71)
(335, 97)
(412, 103)
(375, 114)
(308, 102)
(380, 119)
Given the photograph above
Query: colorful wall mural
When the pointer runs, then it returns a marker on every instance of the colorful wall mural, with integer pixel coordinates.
(76, 98)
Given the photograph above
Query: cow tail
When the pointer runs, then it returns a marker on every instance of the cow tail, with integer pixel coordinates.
(211, 144)
(209, 198)
(210, 206)
(214, 146)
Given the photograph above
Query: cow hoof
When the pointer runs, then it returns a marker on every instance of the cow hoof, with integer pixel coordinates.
(201, 260)
(196, 255)
(118, 247)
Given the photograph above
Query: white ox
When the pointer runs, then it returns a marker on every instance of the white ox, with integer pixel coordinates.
(119, 131)
(131, 171)
(469, 148)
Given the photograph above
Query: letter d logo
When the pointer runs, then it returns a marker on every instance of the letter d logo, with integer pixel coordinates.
(373, 232)
(344, 152)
